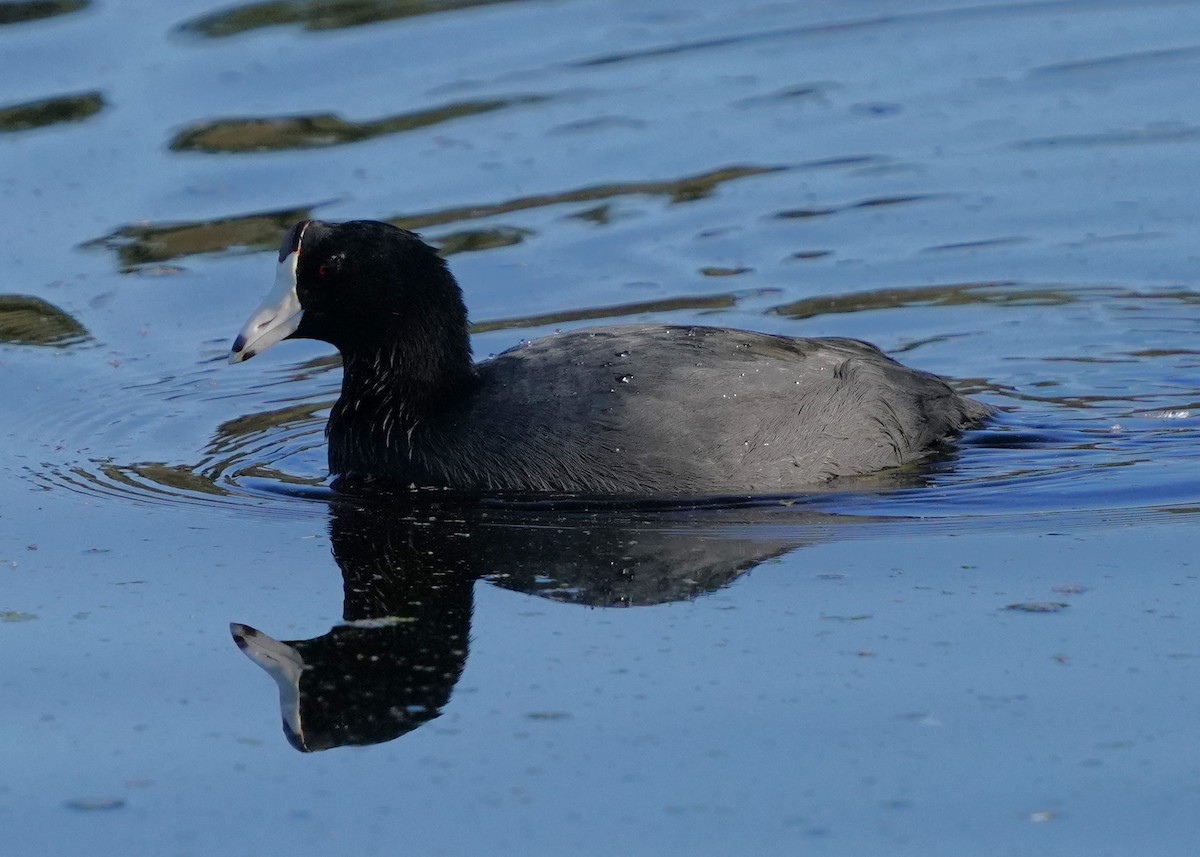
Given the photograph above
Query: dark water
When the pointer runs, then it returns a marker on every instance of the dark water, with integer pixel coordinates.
(994, 654)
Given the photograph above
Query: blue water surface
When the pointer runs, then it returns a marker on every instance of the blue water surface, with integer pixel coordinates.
(995, 653)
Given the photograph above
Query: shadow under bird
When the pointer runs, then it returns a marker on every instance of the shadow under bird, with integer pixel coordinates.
(621, 411)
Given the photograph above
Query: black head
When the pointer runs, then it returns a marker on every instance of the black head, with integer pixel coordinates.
(365, 287)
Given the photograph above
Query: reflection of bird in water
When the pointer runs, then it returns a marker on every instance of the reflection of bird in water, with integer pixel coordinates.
(408, 582)
(376, 676)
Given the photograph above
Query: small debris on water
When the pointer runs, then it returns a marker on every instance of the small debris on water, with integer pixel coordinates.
(1069, 589)
(811, 254)
(1038, 606)
(100, 804)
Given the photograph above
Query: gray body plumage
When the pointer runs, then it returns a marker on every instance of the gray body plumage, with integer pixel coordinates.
(652, 411)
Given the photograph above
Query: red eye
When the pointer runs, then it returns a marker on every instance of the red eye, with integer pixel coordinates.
(330, 266)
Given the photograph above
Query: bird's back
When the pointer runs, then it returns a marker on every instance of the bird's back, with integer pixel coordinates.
(684, 411)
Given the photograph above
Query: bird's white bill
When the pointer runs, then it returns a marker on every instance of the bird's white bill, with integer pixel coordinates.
(276, 319)
(282, 662)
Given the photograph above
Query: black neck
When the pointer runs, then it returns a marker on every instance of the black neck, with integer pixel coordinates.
(402, 384)
(406, 363)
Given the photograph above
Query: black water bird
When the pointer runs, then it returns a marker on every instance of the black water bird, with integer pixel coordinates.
(624, 411)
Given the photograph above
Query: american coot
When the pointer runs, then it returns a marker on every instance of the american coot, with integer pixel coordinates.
(645, 410)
